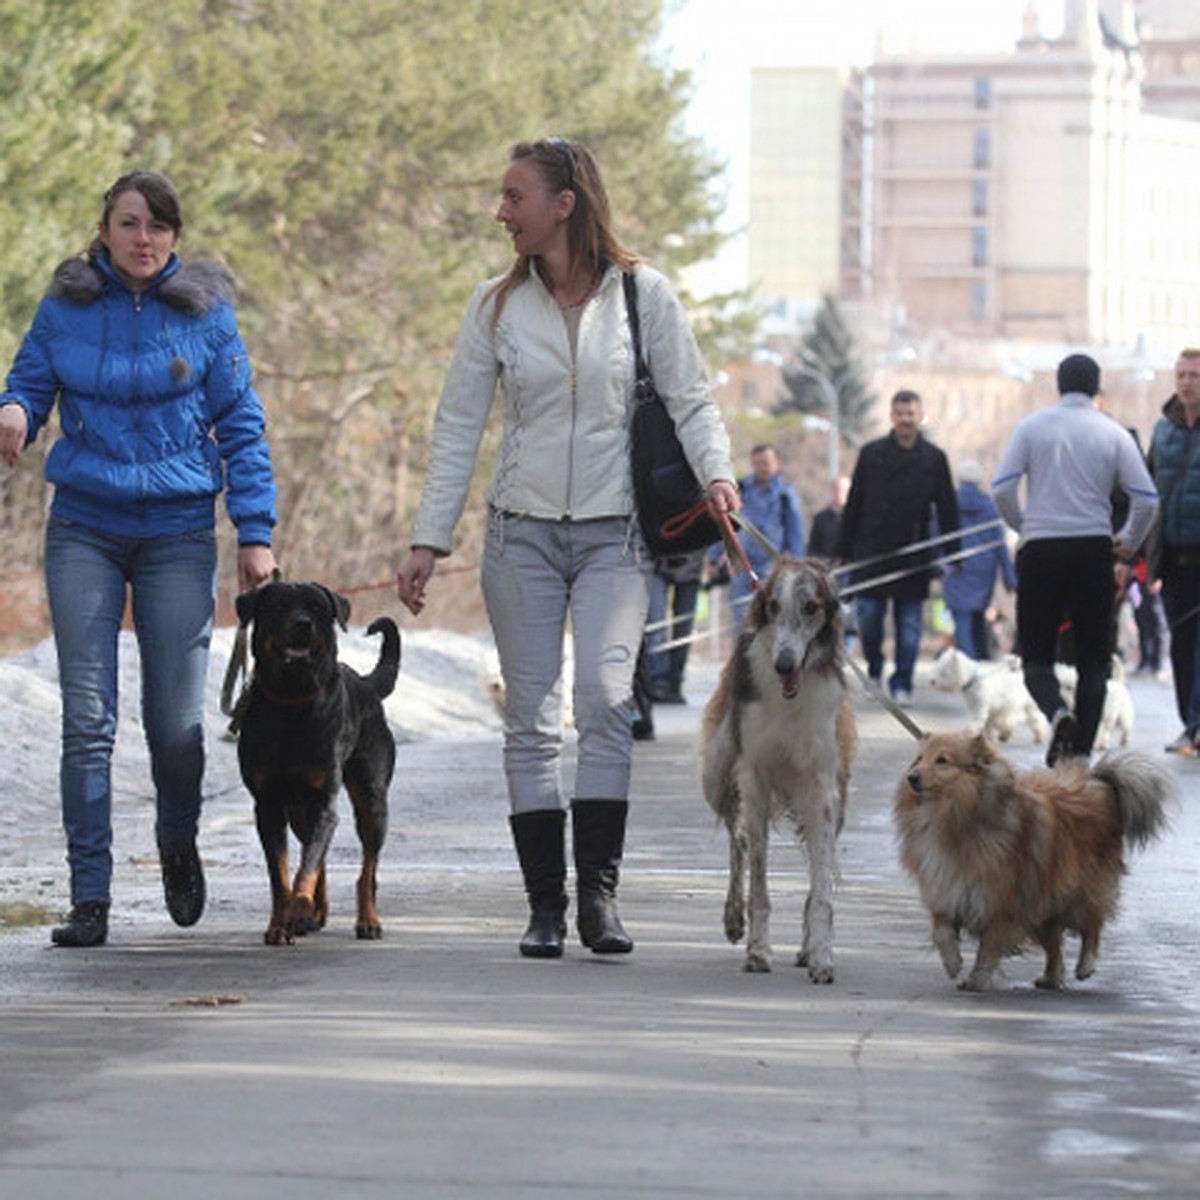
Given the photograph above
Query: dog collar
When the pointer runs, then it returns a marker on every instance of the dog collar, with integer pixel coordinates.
(286, 701)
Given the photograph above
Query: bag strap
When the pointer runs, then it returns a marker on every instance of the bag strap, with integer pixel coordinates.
(644, 386)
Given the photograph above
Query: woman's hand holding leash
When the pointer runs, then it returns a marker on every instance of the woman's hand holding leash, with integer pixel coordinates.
(256, 565)
(723, 497)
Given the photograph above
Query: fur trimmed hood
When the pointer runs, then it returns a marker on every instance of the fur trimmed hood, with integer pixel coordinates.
(192, 288)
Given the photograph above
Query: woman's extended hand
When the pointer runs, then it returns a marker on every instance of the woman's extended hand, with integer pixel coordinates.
(14, 427)
(412, 577)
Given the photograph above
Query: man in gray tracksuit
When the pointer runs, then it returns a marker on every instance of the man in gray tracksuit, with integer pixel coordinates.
(1073, 457)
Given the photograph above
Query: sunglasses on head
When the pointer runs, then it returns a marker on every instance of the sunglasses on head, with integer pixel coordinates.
(561, 146)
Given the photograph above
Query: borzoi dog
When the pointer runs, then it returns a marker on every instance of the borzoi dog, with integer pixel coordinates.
(778, 736)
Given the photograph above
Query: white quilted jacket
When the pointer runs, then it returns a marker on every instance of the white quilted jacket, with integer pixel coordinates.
(564, 452)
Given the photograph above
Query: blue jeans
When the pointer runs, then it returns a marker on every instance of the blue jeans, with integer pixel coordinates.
(173, 586)
(970, 632)
(869, 612)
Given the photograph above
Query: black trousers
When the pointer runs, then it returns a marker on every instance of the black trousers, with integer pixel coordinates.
(1181, 601)
(1061, 580)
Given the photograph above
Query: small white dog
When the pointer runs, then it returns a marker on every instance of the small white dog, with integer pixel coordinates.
(1117, 714)
(994, 693)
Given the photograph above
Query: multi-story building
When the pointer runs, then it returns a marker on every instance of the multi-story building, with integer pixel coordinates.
(1034, 195)
(1047, 194)
(805, 182)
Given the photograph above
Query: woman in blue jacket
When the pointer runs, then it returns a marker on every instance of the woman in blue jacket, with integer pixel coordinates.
(157, 416)
(968, 585)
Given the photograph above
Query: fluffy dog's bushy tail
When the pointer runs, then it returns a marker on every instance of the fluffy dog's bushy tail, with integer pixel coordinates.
(383, 678)
(1143, 790)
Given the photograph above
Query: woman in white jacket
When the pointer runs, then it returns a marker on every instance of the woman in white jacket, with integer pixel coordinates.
(562, 536)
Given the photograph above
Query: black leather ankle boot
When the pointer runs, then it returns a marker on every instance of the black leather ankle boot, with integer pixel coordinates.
(598, 828)
(539, 838)
(183, 883)
(86, 925)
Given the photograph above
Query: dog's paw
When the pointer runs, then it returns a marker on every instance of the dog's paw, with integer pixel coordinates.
(820, 966)
(1086, 967)
(368, 931)
(735, 923)
(947, 947)
(302, 917)
(975, 982)
(758, 962)
(952, 963)
(821, 972)
(277, 935)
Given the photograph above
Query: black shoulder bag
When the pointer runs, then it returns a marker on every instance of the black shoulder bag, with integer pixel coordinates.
(671, 505)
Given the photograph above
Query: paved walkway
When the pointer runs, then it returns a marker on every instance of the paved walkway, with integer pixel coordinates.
(437, 1063)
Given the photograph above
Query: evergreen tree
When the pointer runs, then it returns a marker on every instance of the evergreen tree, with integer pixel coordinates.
(829, 349)
(344, 159)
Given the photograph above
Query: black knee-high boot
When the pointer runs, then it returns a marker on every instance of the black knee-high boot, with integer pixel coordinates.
(539, 838)
(598, 829)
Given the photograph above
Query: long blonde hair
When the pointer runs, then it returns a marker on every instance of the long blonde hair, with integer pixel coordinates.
(592, 246)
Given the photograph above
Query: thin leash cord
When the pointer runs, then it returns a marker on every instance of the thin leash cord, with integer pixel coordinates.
(871, 689)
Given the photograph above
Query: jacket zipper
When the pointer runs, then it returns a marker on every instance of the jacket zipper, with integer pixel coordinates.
(572, 355)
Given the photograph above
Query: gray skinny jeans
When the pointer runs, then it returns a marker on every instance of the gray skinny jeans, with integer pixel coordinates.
(535, 574)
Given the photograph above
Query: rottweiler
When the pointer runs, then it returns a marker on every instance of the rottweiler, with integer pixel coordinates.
(309, 724)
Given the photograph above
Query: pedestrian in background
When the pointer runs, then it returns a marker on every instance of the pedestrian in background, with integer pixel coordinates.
(969, 582)
(562, 540)
(823, 535)
(1072, 457)
(1175, 463)
(771, 505)
(674, 590)
(157, 416)
(899, 483)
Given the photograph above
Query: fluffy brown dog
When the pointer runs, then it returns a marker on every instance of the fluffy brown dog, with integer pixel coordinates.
(1016, 858)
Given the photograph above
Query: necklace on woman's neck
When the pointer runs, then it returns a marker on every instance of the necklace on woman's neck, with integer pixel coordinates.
(563, 295)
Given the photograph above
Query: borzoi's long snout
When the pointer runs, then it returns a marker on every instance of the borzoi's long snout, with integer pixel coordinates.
(789, 666)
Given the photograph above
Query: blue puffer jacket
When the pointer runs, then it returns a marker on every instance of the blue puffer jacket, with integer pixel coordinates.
(969, 586)
(156, 406)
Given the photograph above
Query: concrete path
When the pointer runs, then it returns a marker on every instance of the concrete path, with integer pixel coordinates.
(437, 1063)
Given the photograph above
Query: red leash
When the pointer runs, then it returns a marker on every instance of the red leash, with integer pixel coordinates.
(734, 550)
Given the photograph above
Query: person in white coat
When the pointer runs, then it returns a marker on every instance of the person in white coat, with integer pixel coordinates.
(562, 536)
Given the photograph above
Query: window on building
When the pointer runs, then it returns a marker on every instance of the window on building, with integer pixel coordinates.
(983, 149)
(979, 247)
(979, 301)
(983, 93)
(980, 195)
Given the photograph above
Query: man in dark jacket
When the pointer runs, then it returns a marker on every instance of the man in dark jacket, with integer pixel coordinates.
(898, 481)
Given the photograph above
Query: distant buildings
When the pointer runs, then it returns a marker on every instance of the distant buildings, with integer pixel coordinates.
(1047, 195)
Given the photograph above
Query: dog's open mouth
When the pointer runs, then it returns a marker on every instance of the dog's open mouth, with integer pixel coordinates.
(789, 684)
(297, 653)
